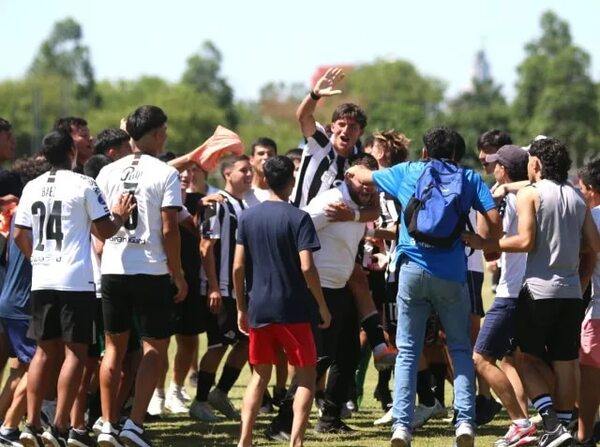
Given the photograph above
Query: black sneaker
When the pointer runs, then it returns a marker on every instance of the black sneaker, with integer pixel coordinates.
(275, 431)
(266, 406)
(333, 426)
(54, 438)
(11, 438)
(559, 437)
(133, 436)
(80, 439)
(278, 395)
(486, 409)
(31, 436)
(384, 396)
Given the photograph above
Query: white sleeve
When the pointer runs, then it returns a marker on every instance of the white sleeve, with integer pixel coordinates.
(95, 202)
(317, 142)
(172, 191)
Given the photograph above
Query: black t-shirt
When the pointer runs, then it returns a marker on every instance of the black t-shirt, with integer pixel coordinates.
(190, 250)
(273, 233)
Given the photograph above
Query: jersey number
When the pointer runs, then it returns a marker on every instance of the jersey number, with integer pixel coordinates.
(132, 220)
(52, 227)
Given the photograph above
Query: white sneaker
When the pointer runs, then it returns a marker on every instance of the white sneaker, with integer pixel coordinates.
(157, 404)
(109, 436)
(386, 419)
(465, 435)
(175, 402)
(423, 413)
(401, 437)
(185, 396)
(220, 402)
(203, 412)
(97, 427)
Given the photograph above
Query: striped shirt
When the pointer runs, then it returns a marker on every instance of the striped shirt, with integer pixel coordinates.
(321, 168)
(220, 224)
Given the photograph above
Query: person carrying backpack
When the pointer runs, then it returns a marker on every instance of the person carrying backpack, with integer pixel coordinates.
(436, 195)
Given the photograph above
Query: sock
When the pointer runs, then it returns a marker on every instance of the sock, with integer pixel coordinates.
(228, 378)
(522, 423)
(438, 372)
(81, 431)
(543, 405)
(424, 391)
(564, 416)
(374, 331)
(383, 379)
(205, 383)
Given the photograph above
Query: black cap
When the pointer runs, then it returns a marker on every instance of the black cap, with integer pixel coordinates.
(508, 155)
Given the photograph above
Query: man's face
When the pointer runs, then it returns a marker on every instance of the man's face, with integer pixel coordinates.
(296, 167)
(83, 143)
(500, 173)
(7, 145)
(346, 133)
(185, 180)
(123, 150)
(361, 194)
(488, 167)
(261, 154)
(240, 176)
(588, 193)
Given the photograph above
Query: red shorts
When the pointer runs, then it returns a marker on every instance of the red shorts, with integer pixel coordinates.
(296, 339)
(589, 352)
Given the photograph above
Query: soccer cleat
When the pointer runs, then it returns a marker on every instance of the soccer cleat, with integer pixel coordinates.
(515, 434)
(385, 359)
(464, 435)
(401, 437)
(132, 435)
(334, 426)
(220, 402)
(558, 437)
(423, 413)
(203, 412)
(386, 419)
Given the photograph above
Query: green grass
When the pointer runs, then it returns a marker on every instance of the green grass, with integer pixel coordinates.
(180, 431)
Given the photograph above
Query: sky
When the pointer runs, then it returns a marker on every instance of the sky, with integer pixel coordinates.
(268, 40)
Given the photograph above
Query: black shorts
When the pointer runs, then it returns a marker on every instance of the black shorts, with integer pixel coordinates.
(390, 314)
(475, 283)
(549, 328)
(147, 299)
(190, 314)
(68, 316)
(222, 329)
(377, 287)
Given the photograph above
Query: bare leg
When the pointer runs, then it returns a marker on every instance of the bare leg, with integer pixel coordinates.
(37, 382)
(17, 369)
(69, 381)
(81, 399)
(302, 403)
(18, 408)
(509, 368)
(186, 345)
(110, 374)
(588, 403)
(261, 375)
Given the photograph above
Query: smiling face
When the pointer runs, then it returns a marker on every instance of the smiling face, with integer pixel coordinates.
(346, 132)
(239, 176)
(260, 155)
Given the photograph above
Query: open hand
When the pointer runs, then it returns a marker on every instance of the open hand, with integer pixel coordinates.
(325, 86)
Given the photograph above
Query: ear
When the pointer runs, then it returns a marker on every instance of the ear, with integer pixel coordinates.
(424, 153)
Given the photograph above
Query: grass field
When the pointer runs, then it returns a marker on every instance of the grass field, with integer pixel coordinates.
(182, 431)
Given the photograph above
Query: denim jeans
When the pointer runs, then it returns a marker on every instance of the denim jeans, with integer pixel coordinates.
(418, 291)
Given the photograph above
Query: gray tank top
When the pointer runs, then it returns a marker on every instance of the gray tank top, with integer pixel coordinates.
(552, 266)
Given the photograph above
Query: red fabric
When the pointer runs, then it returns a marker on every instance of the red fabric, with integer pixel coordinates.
(296, 339)
(222, 142)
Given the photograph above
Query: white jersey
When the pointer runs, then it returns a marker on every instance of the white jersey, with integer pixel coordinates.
(137, 248)
(59, 207)
(474, 257)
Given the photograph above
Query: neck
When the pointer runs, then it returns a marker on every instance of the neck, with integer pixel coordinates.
(279, 197)
(144, 149)
(260, 182)
(66, 166)
(237, 193)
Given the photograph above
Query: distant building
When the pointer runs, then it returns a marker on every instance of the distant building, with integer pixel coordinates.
(481, 68)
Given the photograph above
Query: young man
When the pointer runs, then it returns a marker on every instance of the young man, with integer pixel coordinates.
(278, 316)
(261, 150)
(589, 353)
(488, 143)
(114, 143)
(136, 264)
(217, 248)
(78, 129)
(53, 222)
(553, 223)
(495, 340)
(431, 276)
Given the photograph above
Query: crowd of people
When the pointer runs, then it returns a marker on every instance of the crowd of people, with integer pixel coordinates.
(313, 262)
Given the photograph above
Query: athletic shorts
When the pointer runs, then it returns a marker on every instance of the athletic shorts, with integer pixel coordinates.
(222, 329)
(589, 352)
(147, 299)
(190, 314)
(549, 328)
(68, 316)
(21, 346)
(377, 287)
(296, 339)
(475, 283)
(497, 333)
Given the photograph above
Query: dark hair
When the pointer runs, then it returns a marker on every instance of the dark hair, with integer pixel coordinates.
(228, 162)
(65, 123)
(590, 175)
(143, 120)
(109, 138)
(5, 125)
(444, 143)
(294, 154)
(94, 164)
(56, 147)
(517, 172)
(366, 160)
(493, 139)
(349, 110)
(29, 168)
(554, 157)
(279, 172)
(264, 142)
(167, 156)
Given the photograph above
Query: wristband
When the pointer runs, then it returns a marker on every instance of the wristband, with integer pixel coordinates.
(314, 96)
(356, 215)
(370, 232)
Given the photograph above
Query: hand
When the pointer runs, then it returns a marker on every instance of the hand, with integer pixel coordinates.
(325, 317)
(379, 262)
(214, 301)
(182, 288)
(339, 212)
(212, 198)
(243, 325)
(499, 192)
(124, 206)
(325, 85)
(472, 240)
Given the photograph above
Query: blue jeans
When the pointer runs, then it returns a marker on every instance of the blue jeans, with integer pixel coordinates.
(418, 291)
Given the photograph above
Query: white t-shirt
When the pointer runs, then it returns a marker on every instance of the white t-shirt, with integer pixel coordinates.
(96, 267)
(513, 264)
(339, 240)
(593, 310)
(256, 196)
(474, 257)
(59, 208)
(137, 248)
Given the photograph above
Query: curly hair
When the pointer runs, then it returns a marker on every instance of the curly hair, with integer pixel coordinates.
(29, 168)
(590, 175)
(394, 143)
(554, 156)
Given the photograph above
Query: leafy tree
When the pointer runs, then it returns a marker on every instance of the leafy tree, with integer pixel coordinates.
(555, 94)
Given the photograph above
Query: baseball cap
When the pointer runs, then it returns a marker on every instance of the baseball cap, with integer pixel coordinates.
(508, 155)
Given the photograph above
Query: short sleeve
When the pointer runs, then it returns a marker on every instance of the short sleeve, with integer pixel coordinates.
(23, 214)
(483, 200)
(318, 141)
(95, 204)
(172, 191)
(307, 238)
(241, 231)
(211, 224)
(388, 180)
